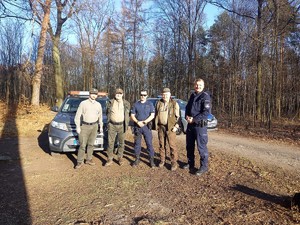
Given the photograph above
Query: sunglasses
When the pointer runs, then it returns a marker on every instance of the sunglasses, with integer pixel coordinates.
(143, 95)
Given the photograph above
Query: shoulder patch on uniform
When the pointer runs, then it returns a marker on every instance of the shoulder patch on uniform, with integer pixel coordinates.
(207, 104)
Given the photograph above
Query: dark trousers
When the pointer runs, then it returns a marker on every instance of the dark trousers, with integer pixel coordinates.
(199, 135)
(113, 132)
(87, 138)
(145, 132)
(167, 137)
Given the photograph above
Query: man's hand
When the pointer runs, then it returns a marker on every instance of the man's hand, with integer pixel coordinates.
(140, 123)
(78, 130)
(174, 129)
(100, 129)
(189, 119)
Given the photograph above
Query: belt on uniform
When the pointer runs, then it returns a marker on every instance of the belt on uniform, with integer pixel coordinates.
(201, 123)
(85, 123)
(116, 123)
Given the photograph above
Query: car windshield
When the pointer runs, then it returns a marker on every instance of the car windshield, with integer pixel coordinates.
(71, 104)
(182, 104)
(153, 101)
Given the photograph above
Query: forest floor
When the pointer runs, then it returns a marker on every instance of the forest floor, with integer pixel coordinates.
(251, 180)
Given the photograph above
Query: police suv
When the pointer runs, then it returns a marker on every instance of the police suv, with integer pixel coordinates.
(62, 133)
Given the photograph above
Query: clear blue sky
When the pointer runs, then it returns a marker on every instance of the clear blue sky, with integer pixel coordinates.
(211, 12)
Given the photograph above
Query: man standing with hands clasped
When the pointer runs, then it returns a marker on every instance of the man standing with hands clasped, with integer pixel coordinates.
(142, 113)
(118, 110)
(166, 122)
(91, 112)
(197, 110)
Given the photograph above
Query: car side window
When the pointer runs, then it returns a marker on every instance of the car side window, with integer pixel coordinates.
(103, 103)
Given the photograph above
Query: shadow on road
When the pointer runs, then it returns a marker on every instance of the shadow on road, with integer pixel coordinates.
(14, 206)
(283, 201)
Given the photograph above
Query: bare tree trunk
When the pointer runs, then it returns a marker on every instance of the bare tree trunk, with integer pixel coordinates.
(259, 61)
(280, 77)
(36, 81)
(57, 71)
(61, 19)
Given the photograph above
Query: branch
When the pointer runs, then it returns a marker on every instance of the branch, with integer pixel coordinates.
(16, 17)
(219, 5)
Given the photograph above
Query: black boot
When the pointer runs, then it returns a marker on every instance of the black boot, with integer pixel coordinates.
(201, 171)
(136, 162)
(152, 165)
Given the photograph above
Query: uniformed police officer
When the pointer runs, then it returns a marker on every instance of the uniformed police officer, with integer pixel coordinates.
(142, 113)
(117, 111)
(197, 110)
(91, 112)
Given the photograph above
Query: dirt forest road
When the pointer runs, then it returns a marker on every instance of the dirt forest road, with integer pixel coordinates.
(250, 181)
(286, 156)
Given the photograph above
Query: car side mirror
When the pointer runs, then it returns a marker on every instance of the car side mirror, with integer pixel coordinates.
(54, 108)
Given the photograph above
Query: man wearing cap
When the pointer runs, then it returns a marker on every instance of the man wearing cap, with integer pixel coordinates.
(118, 110)
(142, 113)
(91, 113)
(167, 122)
(197, 110)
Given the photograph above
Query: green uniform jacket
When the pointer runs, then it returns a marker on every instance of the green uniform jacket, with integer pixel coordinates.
(126, 112)
(172, 117)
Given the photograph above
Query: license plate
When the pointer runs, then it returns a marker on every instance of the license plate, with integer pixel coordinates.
(97, 142)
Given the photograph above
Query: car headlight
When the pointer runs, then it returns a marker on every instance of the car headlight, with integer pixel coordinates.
(61, 126)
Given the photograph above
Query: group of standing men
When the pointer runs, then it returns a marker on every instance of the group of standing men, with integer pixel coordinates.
(166, 118)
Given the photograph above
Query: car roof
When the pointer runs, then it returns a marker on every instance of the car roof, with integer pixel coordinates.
(85, 94)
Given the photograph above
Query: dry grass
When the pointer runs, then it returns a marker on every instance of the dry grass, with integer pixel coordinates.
(23, 120)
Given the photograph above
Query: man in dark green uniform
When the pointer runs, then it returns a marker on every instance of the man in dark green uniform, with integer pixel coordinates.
(118, 110)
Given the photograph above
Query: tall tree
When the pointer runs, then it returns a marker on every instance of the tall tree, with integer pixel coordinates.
(64, 10)
(11, 42)
(183, 20)
(263, 12)
(133, 20)
(247, 10)
(91, 21)
(44, 16)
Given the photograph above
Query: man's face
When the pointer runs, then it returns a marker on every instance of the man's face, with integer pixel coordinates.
(166, 96)
(199, 86)
(118, 96)
(93, 96)
(143, 96)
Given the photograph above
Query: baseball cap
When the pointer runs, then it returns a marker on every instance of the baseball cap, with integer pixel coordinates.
(119, 91)
(94, 91)
(166, 90)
